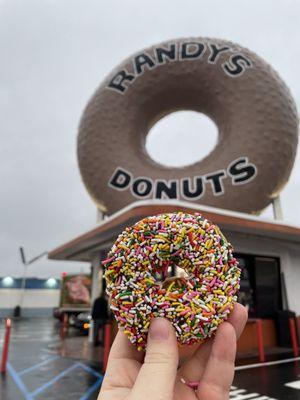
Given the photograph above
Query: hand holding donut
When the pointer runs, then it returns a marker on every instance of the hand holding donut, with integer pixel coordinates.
(132, 376)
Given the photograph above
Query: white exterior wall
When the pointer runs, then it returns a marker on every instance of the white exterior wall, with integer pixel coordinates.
(33, 298)
(292, 279)
(287, 252)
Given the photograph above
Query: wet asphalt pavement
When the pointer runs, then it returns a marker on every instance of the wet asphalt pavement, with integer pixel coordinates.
(44, 365)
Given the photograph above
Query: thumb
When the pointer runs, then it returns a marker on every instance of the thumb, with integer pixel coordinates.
(156, 378)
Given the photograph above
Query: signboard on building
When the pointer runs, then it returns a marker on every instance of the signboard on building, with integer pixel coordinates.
(75, 291)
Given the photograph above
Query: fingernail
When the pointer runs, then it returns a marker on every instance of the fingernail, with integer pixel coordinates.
(159, 329)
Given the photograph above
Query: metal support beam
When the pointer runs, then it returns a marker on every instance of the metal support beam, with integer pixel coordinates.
(96, 287)
(277, 209)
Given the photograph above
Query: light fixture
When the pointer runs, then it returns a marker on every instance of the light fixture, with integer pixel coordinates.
(51, 283)
(7, 281)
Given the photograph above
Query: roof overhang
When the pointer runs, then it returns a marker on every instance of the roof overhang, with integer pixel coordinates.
(85, 246)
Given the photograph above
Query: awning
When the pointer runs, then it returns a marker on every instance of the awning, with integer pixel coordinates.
(85, 246)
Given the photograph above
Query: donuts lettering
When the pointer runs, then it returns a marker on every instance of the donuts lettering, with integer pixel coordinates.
(240, 171)
(136, 273)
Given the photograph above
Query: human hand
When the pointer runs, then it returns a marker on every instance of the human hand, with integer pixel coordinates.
(133, 375)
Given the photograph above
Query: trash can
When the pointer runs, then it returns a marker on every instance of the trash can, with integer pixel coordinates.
(17, 311)
(283, 327)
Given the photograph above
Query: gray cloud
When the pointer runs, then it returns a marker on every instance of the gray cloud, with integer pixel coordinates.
(53, 56)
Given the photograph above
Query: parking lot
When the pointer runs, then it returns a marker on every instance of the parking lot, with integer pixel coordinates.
(44, 365)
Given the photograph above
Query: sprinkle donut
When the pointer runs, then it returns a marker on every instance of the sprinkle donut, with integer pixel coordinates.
(136, 273)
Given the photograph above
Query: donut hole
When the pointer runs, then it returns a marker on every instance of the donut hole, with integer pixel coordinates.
(181, 138)
(161, 276)
(175, 274)
(178, 282)
(172, 272)
(181, 273)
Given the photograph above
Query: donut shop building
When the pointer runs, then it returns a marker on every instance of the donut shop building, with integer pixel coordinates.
(267, 251)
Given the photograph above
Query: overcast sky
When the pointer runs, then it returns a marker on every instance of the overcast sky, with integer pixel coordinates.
(53, 55)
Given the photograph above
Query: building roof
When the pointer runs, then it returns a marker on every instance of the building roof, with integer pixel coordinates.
(87, 245)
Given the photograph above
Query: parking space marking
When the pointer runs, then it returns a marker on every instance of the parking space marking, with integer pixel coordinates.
(53, 380)
(258, 365)
(241, 394)
(91, 370)
(31, 395)
(293, 385)
(33, 367)
(18, 382)
(92, 389)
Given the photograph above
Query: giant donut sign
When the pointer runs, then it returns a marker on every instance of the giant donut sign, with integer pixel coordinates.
(252, 107)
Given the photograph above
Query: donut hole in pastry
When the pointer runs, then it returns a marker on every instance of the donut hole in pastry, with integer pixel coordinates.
(168, 281)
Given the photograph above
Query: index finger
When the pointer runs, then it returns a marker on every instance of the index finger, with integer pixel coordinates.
(123, 350)
(123, 365)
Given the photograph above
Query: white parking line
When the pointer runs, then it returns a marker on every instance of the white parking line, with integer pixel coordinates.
(241, 394)
(258, 365)
(293, 385)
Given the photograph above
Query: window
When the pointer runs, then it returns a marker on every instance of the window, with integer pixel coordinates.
(260, 285)
(267, 283)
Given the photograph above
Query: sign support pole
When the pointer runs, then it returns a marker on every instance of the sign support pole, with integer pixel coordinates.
(277, 209)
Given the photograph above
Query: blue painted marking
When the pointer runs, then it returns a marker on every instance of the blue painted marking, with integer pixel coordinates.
(55, 379)
(94, 387)
(19, 382)
(30, 396)
(33, 367)
(91, 371)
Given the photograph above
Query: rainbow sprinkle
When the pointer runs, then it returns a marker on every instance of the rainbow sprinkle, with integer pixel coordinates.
(197, 303)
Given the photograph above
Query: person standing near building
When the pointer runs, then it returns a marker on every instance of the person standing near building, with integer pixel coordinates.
(100, 315)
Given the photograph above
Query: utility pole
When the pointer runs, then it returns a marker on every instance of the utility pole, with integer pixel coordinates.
(96, 273)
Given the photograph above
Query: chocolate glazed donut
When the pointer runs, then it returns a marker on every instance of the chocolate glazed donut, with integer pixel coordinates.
(251, 106)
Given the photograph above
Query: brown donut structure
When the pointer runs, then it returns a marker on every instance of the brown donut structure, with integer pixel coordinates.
(251, 106)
